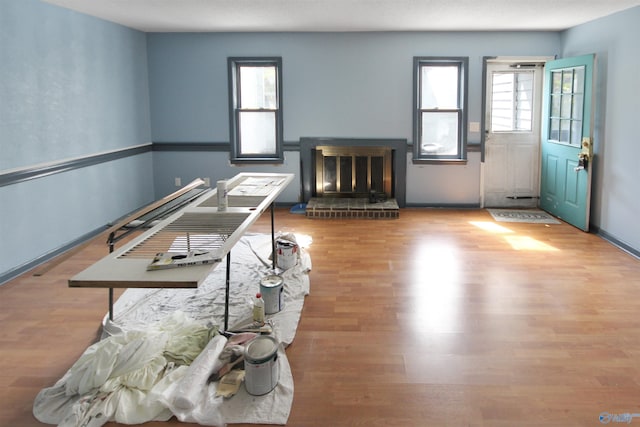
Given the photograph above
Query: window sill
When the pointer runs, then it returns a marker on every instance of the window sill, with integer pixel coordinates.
(439, 161)
(257, 160)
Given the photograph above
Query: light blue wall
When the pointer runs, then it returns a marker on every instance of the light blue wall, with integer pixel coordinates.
(616, 42)
(335, 85)
(189, 166)
(70, 86)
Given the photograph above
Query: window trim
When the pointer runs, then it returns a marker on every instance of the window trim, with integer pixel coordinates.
(462, 62)
(234, 64)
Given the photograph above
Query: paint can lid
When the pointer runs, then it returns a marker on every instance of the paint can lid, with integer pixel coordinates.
(261, 349)
(271, 280)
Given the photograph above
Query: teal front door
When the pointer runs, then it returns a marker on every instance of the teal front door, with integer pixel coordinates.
(566, 150)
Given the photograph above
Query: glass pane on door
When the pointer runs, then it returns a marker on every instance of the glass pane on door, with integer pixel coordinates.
(512, 101)
(567, 105)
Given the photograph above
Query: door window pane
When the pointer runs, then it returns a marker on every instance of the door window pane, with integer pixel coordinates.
(502, 99)
(555, 105)
(512, 101)
(567, 105)
(565, 109)
(567, 81)
(564, 130)
(576, 132)
(524, 101)
(578, 106)
(556, 81)
(554, 130)
(578, 81)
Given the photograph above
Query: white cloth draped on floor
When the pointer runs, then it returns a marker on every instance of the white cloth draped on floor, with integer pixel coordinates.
(134, 373)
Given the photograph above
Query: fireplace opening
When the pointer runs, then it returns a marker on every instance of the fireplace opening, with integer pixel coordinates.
(351, 168)
(345, 171)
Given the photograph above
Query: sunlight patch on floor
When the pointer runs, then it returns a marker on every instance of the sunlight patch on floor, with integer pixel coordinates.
(517, 242)
(438, 298)
(526, 243)
(491, 227)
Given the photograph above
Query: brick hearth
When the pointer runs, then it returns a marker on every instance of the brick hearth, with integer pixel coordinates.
(330, 207)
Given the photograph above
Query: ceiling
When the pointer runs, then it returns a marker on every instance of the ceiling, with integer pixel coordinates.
(346, 15)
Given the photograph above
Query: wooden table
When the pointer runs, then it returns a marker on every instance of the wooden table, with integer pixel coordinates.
(249, 195)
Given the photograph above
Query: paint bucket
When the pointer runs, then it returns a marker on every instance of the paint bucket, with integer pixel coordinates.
(286, 254)
(272, 288)
(261, 365)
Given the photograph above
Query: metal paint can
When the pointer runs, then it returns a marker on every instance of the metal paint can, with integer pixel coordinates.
(272, 290)
(286, 254)
(261, 365)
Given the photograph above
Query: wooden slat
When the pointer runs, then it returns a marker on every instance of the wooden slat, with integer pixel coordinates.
(157, 204)
(212, 231)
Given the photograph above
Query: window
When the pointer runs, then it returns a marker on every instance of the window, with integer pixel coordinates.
(440, 98)
(567, 103)
(512, 101)
(255, 88)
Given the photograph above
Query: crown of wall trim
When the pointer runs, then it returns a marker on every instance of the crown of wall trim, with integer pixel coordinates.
(40, 171)
(16, 176)
(210, 146)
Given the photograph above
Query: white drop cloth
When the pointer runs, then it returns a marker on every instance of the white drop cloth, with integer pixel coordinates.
(129, 375)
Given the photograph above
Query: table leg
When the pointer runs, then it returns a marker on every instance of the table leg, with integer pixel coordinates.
(226, 294)
(111, 304)
(273, 239)
(111, 242)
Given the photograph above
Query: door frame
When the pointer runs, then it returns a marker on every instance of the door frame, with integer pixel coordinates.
(485, 96)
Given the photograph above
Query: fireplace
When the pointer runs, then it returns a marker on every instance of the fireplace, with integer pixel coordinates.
(343, 171)
(353, 167)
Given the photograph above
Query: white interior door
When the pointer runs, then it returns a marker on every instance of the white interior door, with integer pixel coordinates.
(512, 135)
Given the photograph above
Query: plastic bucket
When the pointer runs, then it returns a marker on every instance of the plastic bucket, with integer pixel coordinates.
(261, 365)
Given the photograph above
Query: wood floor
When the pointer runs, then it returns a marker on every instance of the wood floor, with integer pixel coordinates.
(438, 318)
